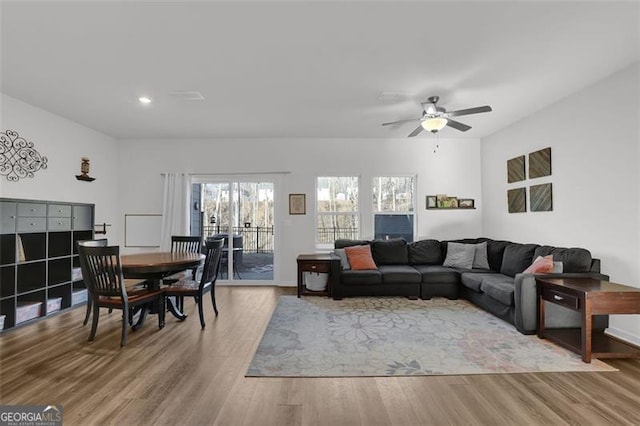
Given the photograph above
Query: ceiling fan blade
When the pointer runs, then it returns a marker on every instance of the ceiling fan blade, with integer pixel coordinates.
(468, 111)
(458, 125)
(417, 131)
(401, 121)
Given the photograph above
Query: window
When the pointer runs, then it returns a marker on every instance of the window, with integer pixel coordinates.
(393, 201)
(337, 209)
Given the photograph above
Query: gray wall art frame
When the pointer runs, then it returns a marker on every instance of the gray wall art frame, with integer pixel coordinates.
(540, 163)
(515, 169)
(517, 200)
(541, 197)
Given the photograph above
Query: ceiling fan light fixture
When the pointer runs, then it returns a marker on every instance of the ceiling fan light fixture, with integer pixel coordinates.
(434, 124)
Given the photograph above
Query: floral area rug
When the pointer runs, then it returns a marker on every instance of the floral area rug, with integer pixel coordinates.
(386, 336)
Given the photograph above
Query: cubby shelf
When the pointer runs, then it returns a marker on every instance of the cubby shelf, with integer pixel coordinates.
(38, 255)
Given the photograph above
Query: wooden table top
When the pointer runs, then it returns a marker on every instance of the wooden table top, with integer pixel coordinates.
(159, 261)
(589, 285)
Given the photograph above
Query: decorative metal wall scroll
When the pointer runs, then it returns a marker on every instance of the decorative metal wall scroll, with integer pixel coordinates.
(18, 157)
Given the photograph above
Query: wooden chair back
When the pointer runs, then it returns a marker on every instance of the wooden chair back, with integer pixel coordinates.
(185, 244)
(104, 271)
(211, 262)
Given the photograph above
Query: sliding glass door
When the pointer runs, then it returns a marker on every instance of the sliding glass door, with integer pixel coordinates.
(242, 213)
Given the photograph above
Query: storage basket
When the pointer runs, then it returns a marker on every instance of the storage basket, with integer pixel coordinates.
(316, 281)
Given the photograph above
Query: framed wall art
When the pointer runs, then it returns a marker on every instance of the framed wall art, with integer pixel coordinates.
(540, 163)
(515, 169)
(297, 204)
(517, 200)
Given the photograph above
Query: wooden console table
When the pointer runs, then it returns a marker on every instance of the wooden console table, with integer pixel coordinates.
(321, 263)
(589, 297)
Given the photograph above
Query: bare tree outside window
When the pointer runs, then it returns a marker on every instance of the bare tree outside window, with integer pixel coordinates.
(337, 208)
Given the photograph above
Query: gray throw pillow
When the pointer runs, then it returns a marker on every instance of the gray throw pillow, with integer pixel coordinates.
(558, 268)
(460, 255)
(480, 260)
(344, 261)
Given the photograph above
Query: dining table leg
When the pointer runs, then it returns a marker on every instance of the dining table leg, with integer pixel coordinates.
(173, 308)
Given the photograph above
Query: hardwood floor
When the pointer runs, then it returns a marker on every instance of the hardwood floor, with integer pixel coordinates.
(183, 375)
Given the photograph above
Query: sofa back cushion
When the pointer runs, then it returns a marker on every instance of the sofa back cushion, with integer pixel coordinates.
(517, 258)
(459, 255)
(390, 252)
(573, 259)
(342, 243)
(425, 252)
(495, 252)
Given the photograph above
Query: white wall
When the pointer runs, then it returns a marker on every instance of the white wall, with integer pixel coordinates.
(594, 142)
(454, 169)
(64, 143)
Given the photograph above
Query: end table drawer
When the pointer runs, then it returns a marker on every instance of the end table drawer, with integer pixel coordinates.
(560, 298)
(316, 266)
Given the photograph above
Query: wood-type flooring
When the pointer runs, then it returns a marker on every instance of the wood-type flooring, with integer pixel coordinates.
(182, 375)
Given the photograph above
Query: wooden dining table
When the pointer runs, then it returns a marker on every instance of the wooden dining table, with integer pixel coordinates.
(153, 268)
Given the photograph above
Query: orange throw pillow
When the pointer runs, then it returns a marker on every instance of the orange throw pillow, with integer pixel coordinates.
(360, 257)
(542, 265)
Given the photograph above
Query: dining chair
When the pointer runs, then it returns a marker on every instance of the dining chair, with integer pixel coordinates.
(107, 287)
(197, 289)
(103, 242)
(185, 244)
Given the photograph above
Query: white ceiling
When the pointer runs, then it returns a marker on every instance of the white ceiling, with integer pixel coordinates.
(305, 69)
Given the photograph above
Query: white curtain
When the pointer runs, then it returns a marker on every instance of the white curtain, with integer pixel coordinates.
(175, 208)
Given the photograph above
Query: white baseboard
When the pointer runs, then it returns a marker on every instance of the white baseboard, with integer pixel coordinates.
(623, 335)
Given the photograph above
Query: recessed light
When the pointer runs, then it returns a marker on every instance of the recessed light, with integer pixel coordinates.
(144, 100)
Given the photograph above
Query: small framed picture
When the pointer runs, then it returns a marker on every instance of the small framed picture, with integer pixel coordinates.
(297, 204)
(432, 202)
(466, 203)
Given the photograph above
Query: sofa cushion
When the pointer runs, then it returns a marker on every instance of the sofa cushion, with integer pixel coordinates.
(425, 252)
(399, 274)
(344, 261)
(516, 258)
(480, 256)
(573, 259)
(342, 243)
(438, 274)
(473, 280)
(390, 252)
(360, 257)
(499, 288)
(363, 277)
(495, 252)
(459, 255)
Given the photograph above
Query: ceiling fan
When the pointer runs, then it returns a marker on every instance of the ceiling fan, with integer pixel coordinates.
(435, 118)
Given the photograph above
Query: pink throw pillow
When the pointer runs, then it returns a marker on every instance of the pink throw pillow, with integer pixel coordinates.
(542, 265)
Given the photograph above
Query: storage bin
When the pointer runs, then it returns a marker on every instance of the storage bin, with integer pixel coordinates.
(316, 281)
(76, 274)
(54, 304)
(26, 311)
(78, 296)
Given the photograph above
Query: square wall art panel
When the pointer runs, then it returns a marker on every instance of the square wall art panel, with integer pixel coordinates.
(540, 163)
(541, 197)
(517, 199)
(515, 169)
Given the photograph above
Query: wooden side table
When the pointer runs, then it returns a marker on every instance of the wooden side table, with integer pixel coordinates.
(589, 297)
(321, 263)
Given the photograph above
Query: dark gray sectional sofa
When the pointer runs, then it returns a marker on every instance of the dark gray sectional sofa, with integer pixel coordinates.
(416, 270)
